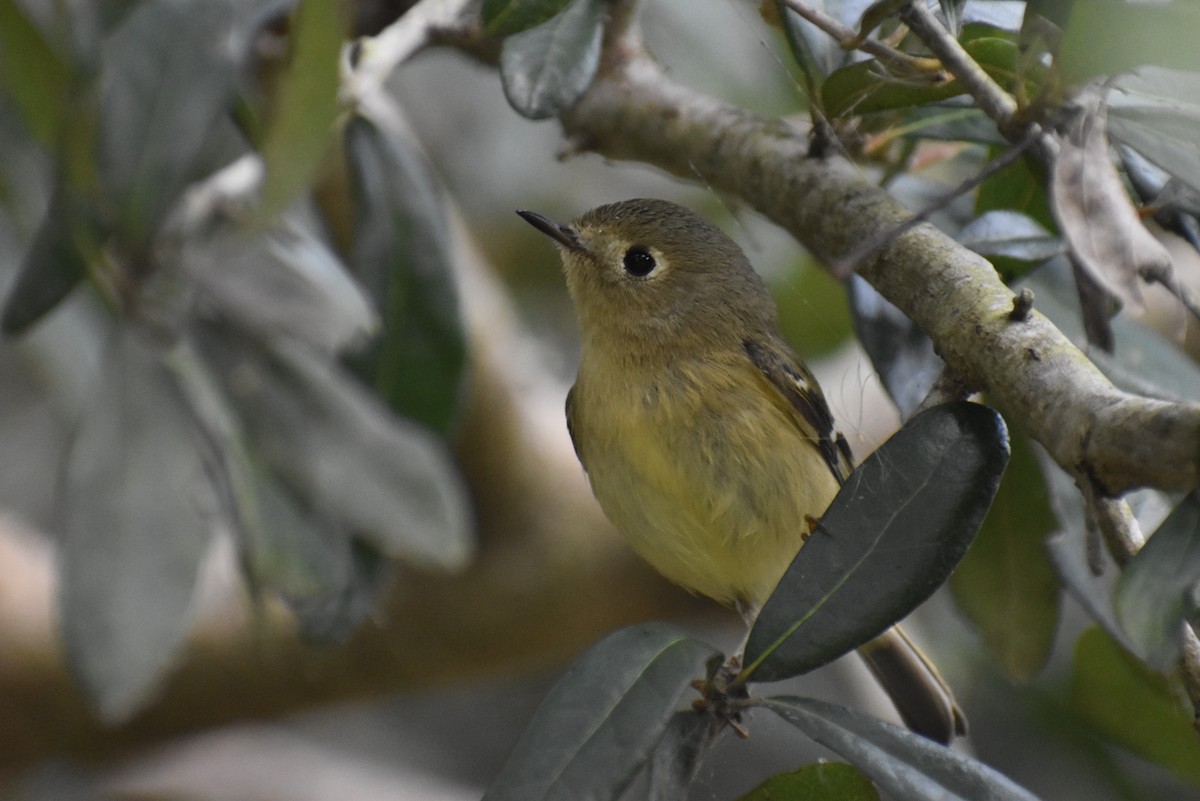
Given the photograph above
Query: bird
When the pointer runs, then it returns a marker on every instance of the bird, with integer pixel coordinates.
(706, 440)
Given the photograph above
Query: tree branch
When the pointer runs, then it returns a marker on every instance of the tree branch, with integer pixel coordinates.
(1041, 382)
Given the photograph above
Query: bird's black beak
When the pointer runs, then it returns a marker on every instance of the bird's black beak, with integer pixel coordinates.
(561, 234)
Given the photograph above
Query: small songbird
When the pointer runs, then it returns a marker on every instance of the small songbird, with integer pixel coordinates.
(707, 441)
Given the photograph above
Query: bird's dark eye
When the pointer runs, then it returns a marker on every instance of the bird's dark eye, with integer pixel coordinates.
(638, 261)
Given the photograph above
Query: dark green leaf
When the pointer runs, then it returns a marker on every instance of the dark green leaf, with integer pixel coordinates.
(283, 282)
(824, 781)
(333, 444)
(52, 267)
(676, 758)
(1157, 113)
(504, 17)
(35, 75)
(797, 293)
(166, 85)
(1020, 187)
(137, 507)
(1005, 583)
(901, 353)
(546, 69)
(401, 255)
(298, 132)
(1163, 34)
(892, 535)
(1115, 694)
(904, 765)
(1157, 591)
(867, 86)
(599, 724)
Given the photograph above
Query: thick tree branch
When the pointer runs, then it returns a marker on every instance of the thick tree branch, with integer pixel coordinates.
(1028, 369)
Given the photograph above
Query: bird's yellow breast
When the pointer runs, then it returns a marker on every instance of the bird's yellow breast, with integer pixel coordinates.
(676, 459)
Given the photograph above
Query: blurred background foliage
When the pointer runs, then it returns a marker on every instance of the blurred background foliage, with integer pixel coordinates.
(290, 511)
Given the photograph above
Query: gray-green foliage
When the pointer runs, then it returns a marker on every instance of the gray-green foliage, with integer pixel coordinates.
(222, 403)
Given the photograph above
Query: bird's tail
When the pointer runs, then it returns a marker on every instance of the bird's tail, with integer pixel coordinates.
(918, 691)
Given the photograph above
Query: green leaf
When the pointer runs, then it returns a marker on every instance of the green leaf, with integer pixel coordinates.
(1116, 695)
(901, 353)
(311, 424)
(505, 17)
(1163, 34)
(137, 505)
(402, 257)
(950, 122)
(676, 758)
(1157, 591)
(905, 766)
(35, 75)
(1157, 113)
(546, 69)
(892, 535)
(824, 781)
(599, 724)
(298, 132)
(51, 268)
(797, 293)
(1005, 584)
(166, 86)
(867, 86)
(1020, 187)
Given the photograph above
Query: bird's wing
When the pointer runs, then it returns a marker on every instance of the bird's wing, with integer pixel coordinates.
(571, 426)
(788, 375)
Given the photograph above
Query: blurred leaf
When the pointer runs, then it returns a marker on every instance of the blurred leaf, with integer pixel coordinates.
(901, 353)
(602, 720)
(1157, 591)
(283, 281)
(824, 781)
(35, 75)
(1010, 234)
(999, 14)
(166, 85)
(1157, 113)
(952, 12)
(905, 766)
(402, 257)
(955, 123)
(1068, 557)
(1014, 242)
(1163, 34)
(1020, 188)
(892, 535)
(1115, 694)
(330, 441)
(137, 506)
(1094, 213)
(298, 131)
(504, 17)
(867, 86)
(546, 69)
(331, 616)
(1143, 361)
(813, 313)
(51, 268)
(1005, 583)
(676, 758)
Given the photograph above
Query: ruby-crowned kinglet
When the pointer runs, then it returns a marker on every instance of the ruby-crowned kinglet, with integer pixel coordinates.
(706, 440)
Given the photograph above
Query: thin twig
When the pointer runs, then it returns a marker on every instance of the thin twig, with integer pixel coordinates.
(847, 37)
(848, 263)
(992, 99)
